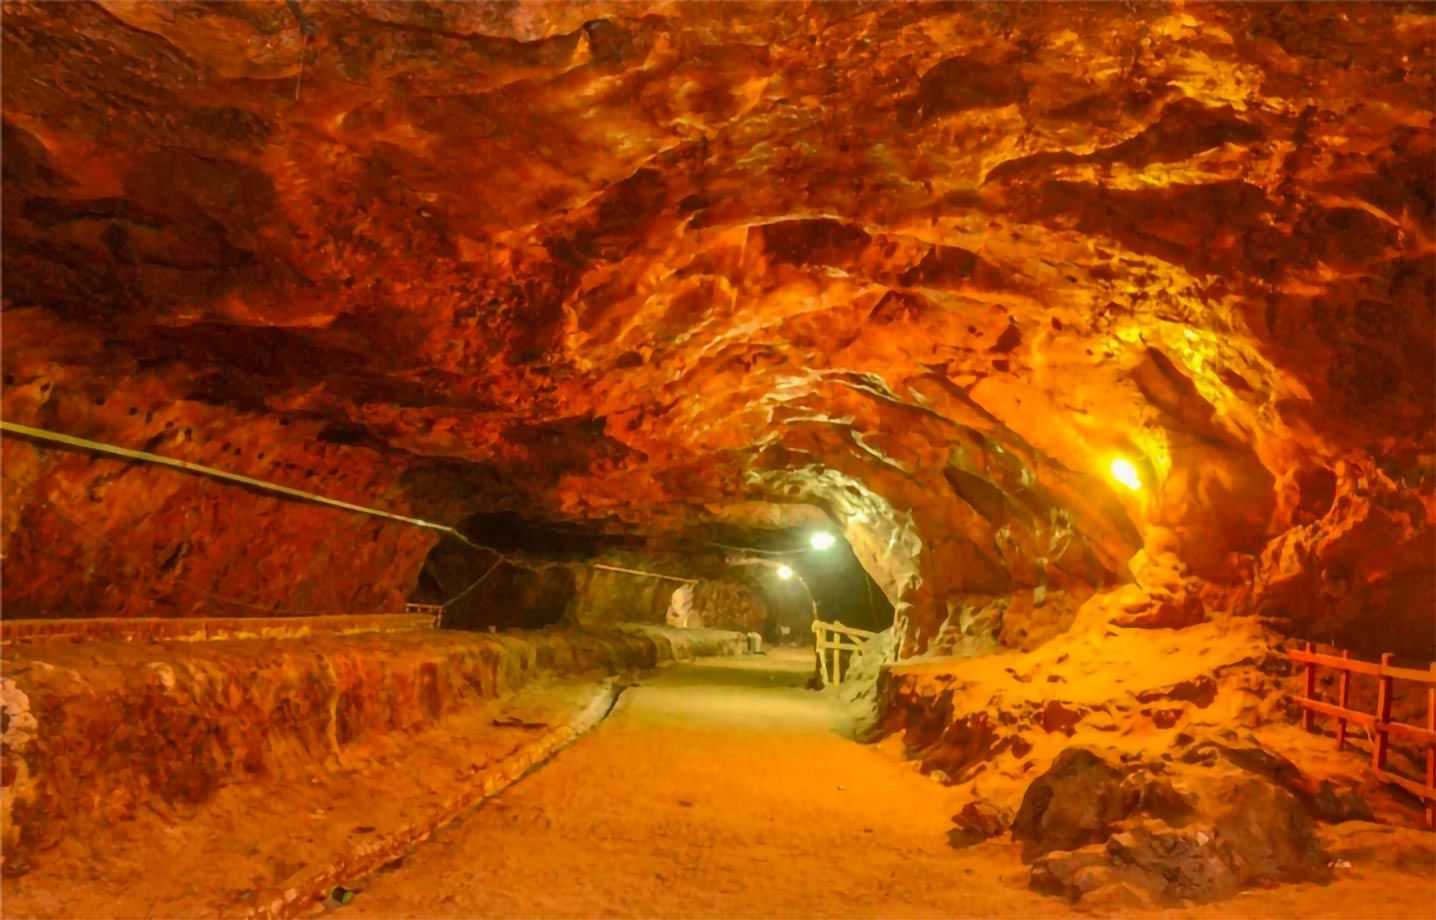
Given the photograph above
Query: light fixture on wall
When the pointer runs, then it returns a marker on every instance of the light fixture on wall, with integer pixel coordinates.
(821, 540)
(785, 572)
(1125, 472)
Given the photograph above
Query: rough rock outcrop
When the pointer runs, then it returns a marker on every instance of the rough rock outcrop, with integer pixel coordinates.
(1090, 824)
(1143, 766)
(1076, 802)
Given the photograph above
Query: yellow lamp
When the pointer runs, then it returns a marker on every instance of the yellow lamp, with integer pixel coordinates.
(1124, 472)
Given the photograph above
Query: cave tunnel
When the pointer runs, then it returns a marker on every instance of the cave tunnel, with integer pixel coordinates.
(568, 459)
(520, 573)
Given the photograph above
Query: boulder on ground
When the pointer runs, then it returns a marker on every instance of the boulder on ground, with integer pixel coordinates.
(1188, 861)
(979, 820)
(1245, 831)
(1074, 803)
(1088, 824)
(1265, 831)
(1075, 874)
(1118, 898)
(1155, 797)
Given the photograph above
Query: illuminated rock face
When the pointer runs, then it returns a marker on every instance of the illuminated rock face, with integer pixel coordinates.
(929, 269)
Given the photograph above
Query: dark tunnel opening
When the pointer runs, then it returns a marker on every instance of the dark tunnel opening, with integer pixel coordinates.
(831, 579)
(542, 573)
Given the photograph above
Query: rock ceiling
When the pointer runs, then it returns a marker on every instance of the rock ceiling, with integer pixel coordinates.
(926, 267)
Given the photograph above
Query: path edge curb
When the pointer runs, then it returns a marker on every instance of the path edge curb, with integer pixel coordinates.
(484, 784)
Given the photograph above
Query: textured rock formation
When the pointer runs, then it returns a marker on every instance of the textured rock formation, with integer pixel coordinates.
(1149, 838)
(926, 269)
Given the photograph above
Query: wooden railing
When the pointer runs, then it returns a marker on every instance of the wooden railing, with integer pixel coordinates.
(1379, 722)
(433, 610)
(836, 638)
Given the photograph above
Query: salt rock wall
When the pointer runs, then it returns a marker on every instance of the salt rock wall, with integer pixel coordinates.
(604, 597)
(87, 537)
(728, 605)
(95, 731)
(927, 268)
(1360, 576)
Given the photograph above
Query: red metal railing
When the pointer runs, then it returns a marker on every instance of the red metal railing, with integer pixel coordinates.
(1379, 722)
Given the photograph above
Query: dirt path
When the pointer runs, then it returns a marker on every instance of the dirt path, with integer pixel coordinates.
(724, 789)
(715, 789)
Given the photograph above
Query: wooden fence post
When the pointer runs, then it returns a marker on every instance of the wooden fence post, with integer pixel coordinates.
(1431, 749)
(1310, 690)
(839, 639)
(1383, 713)
(1343, 693)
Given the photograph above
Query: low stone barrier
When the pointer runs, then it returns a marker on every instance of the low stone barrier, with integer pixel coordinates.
(94, 731)
(203, 629)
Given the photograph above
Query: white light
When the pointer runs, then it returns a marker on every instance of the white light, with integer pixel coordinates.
(822, 540)
(785, 572)
(1124, 472)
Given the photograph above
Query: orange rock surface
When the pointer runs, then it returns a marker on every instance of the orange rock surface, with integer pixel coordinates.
(650, 266)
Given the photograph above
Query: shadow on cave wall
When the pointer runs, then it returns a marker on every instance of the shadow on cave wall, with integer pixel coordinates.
(515, 598)
(521, 584)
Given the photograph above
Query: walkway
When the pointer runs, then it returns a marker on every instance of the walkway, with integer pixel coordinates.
(717, 789)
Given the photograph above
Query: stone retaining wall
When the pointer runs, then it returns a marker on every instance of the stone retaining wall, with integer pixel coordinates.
(200, 629)
(97, 730)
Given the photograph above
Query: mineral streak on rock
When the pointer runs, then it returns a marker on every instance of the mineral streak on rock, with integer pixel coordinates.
(928, 268)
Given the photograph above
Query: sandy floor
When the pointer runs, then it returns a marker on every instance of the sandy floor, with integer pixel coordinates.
(722, 789)
(715, 789)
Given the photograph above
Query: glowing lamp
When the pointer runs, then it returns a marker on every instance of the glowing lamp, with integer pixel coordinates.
(821, 540)
(1124, 472)
(785, 572)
